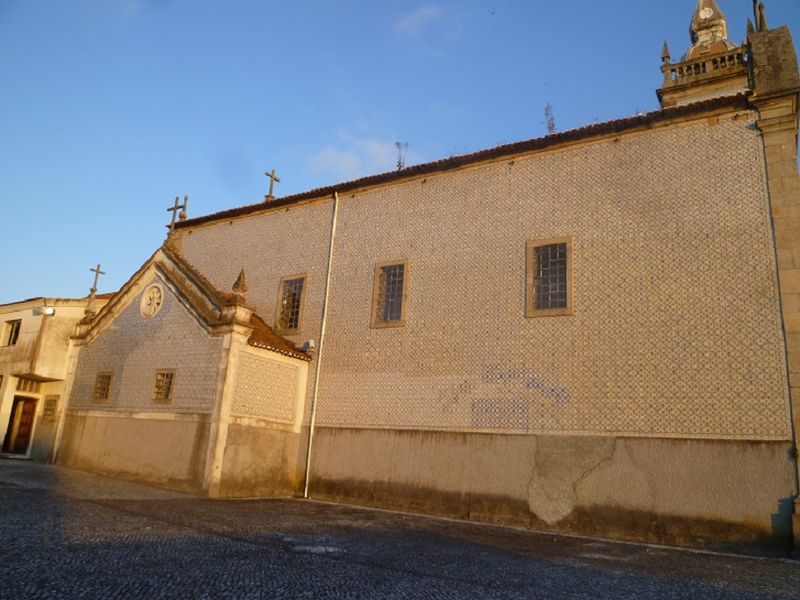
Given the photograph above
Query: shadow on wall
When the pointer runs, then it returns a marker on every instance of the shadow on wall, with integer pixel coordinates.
(780, 529)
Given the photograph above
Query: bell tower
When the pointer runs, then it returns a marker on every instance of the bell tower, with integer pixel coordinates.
(708, 31)
(712, 67)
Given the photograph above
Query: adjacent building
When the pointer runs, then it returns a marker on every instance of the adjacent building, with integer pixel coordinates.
(34, 343)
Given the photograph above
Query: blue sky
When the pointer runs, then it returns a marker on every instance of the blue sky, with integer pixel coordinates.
(111, 108)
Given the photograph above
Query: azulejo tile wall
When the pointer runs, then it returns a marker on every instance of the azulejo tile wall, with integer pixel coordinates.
(268, 247)
(265, 389)
(676, 324)
(134, 347)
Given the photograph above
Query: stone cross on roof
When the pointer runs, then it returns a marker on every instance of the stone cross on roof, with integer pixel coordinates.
(93, 290)
(273, 178)
(174, 210)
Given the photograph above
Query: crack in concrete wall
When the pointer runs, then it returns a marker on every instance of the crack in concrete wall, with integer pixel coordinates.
(559, 466)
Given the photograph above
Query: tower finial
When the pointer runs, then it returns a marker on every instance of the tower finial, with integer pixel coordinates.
(756, 16)
(665, 57)
(709, 29)
(762, 17)
(240, 285)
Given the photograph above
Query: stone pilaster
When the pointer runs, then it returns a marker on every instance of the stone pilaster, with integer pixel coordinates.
(235, 339)
(778, 123)
(775, 84)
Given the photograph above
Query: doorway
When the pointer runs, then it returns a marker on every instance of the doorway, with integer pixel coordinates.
(20, 426)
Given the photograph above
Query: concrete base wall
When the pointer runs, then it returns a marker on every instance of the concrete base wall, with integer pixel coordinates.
(168, 453)
(262, 462)
(42, 443)
(725, 495)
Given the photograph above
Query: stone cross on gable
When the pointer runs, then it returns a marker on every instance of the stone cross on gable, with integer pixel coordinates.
(97, 272)
(93, 290)
(273, 179)
(174, 210)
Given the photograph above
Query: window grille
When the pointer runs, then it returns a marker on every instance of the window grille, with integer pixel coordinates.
(50, 411)
(165, 383)
(550, 284)
(549, 273)
(102, 387)
(389, 295)
(290, 304)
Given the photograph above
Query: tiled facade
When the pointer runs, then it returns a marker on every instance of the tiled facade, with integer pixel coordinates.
(134, 348)
(676, 328)
(265, 389)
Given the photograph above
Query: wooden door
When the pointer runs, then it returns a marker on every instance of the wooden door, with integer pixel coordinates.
(25, 430)
(20, 426)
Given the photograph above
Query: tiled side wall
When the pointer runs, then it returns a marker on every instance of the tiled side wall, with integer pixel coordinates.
(265, 389)
(134, 348)
(676, 326)
(268, 247)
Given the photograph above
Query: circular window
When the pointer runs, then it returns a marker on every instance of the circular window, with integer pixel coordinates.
(152, 301)
(706, 13)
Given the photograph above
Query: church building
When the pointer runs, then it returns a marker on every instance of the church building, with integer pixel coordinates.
(596, 332)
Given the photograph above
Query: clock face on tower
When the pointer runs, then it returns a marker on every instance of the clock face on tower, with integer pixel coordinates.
(152, 300)
(706, 13)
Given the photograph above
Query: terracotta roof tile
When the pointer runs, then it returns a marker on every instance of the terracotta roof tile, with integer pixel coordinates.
(264, 337)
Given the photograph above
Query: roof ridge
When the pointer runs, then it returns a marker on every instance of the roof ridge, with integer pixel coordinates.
(611, 126)
(217, 295)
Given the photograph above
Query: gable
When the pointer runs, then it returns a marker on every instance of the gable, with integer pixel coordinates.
(135, 345)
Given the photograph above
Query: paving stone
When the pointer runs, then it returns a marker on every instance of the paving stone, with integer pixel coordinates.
(69, 534)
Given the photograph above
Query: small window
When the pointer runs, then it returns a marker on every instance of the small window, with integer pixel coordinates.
(102, 387)
(549, 273)
(389, 295)
(165, 384)
(290, 304)
(28, 385)
(11, 332)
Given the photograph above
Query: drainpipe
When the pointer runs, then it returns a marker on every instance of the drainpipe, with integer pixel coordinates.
(313, 423)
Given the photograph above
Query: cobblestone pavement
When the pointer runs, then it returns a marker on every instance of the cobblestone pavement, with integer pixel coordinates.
(68, 534)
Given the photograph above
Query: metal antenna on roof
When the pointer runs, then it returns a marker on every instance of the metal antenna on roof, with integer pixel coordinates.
(551, 120)
(402, 148)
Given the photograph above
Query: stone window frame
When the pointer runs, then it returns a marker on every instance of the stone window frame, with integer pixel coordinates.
(11, 330)
(530, 278)
(96, 399)
(158, 396)
(301, 314)
(377, 321)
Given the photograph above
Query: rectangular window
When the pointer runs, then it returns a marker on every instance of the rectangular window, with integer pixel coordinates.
(389, 295)
(11, 332)
(50, 411)
(102, 387)
(290, 304)
(549, 273)
(28, 385)
(165, 384)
